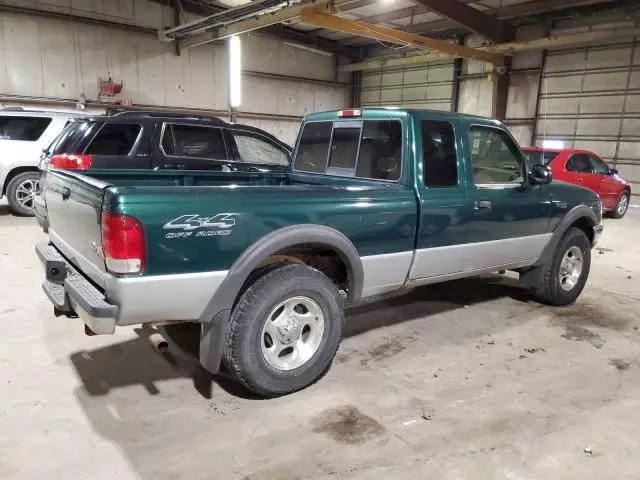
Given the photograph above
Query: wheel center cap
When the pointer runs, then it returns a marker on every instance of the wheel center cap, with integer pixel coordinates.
(289, 330)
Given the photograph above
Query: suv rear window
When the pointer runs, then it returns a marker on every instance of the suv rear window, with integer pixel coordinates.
(27, 129)
(114, 139)
(71, 133)
(365, 149)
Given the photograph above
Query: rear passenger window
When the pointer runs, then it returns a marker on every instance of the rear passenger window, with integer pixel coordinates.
(194, 141)
(114, 139)
(439, 158)
(27, 129)
(367, 149)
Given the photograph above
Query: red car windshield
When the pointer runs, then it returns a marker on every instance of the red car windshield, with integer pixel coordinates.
(540, 157)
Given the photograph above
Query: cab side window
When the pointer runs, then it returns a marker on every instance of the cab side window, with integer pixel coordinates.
(495, 158)
(439, 159)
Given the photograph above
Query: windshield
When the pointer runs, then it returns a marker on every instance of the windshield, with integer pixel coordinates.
(540, 157)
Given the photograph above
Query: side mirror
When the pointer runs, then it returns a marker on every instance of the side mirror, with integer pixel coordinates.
(613, 171)
(541, 175)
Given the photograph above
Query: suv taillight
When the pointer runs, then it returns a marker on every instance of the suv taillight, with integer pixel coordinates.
(122, 243)
(71, 161)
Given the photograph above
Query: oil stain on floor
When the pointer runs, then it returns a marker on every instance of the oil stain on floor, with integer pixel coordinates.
(581, 334)
(347, 425)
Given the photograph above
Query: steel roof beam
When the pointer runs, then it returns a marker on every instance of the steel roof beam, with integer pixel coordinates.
(475, 20)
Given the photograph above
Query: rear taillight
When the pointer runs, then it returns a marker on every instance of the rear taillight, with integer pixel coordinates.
(71, 162)
(122, 243)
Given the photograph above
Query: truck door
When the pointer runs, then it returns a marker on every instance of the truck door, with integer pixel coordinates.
(508, 218)
(443, 200)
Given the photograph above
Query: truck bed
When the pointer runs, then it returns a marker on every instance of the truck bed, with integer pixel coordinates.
(174, 208)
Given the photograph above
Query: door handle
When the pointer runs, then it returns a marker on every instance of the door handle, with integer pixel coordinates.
(66, 193)
(482, 205)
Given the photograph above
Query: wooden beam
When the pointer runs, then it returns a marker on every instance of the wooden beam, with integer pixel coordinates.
(501, 48)
(475, 20)
(318, 18)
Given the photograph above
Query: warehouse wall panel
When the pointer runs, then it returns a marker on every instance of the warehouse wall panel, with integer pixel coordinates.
(52, 58)
(428, 85)
(591, 99)
(475, 96)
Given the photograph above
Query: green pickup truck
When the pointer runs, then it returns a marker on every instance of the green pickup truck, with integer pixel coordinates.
(377, 200)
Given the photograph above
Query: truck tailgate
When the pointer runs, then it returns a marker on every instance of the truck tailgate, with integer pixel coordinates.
(74, 208)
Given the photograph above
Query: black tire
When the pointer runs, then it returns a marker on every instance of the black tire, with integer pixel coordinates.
(13, 193)
(616, 213)
(243, 356)
(549, 290)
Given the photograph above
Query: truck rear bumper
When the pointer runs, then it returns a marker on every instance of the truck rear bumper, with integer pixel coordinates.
(71, 293)
(40, 209)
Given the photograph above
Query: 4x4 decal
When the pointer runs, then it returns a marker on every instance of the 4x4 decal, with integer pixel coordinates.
(206, 225)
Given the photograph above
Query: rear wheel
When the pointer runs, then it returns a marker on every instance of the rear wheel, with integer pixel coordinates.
(21, 192)
(284, 330)
(563, 279)
(622, 205)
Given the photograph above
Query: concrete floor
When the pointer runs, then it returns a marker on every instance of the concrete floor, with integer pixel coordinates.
(469, 379)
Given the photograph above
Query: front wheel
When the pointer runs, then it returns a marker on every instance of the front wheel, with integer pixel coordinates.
(284, 331)
(21, 192)
(621, 206)
(563, 279)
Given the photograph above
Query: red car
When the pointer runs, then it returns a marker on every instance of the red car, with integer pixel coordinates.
(585, 168)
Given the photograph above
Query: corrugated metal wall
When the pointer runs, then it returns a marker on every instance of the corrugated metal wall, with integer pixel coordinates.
(428, 85)
(590, 98)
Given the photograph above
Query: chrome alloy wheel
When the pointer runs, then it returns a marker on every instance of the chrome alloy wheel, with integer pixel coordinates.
(571, 268)
(623, 204)
(292, 333)
(26, 192)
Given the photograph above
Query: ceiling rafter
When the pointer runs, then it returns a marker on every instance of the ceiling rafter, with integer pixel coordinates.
(478, 22)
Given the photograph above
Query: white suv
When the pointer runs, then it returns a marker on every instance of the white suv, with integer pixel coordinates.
(24, 134)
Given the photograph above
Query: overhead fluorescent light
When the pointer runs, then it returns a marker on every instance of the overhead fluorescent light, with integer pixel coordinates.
(553, 144)
(235, 71)
(308, 49)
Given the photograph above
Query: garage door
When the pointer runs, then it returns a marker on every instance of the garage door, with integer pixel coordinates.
(420, 86)
(590, 98)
